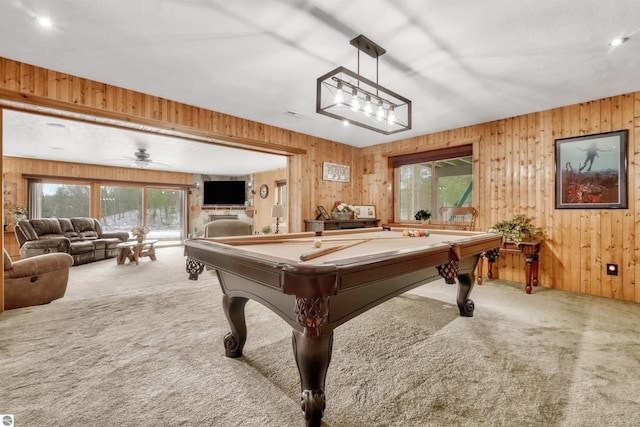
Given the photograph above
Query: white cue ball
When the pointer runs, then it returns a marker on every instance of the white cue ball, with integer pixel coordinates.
(317, 243)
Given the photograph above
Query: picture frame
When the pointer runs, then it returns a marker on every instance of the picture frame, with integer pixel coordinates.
(335, 172)
(364, 211)
(323, 213)
(591, 171)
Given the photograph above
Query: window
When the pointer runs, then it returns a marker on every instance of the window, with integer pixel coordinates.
(51, 200)
(282, 198)
(164, 213)
(122, 207)
(430, 180)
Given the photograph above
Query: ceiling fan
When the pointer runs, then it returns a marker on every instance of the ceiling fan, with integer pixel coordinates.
(143, 159)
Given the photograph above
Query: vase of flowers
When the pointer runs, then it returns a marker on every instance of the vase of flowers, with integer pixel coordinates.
(140, 232)
(342, 211)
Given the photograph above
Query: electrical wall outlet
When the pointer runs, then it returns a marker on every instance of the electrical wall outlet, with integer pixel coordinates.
(612, 269)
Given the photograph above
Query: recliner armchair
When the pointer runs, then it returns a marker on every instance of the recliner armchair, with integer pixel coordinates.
(36, 280)
(226, 228)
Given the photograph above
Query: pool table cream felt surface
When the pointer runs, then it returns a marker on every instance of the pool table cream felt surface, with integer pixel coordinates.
(365, 243)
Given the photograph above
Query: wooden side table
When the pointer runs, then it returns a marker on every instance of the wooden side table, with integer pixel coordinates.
(531, 252)
(135, 250)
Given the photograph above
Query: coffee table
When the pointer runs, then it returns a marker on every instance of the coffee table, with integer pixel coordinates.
(134, 250)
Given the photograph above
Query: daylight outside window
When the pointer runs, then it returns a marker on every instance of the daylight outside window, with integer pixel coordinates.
(431, 184)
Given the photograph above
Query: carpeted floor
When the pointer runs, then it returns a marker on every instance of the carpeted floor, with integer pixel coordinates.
(142, 346)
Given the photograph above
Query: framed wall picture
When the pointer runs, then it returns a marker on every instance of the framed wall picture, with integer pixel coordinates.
(591, 171)
(335, 172)
(323, 213)
(365, 211)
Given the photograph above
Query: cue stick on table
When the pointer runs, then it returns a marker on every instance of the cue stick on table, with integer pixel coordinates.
(315, 254)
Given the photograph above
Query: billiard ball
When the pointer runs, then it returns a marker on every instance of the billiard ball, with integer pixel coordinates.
(317, 243)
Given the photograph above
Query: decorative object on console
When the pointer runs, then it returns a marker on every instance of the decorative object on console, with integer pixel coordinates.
(277, 211)
(323, 213)
(19, 213)
(341, 211)
(518, 229)
(364, 211)
(369, 105)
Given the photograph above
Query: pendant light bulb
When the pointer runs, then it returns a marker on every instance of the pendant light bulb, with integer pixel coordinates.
(367, 106)
(380, 110)
(339, 99)
(355, 103)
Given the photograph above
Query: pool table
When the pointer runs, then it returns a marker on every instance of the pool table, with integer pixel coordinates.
(343, 274)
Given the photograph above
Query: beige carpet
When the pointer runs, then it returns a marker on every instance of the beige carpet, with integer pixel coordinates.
(142, 346)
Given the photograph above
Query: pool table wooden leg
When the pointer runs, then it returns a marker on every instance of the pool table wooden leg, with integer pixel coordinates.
(194, 268)
(313, 355)
(465, 285)
(234, 340)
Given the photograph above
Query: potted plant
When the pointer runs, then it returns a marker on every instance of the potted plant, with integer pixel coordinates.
(19, 213)
(423, 215)
(518, 229)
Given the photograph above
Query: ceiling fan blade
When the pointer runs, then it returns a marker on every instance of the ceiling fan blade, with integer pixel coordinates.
(155, 162)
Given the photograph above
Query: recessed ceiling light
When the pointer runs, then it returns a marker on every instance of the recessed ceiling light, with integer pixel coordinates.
(293, 114)
(618, 41)
(55, 125)
(45, 22)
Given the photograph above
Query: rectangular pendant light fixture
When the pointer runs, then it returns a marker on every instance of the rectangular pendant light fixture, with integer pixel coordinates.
(348, 96)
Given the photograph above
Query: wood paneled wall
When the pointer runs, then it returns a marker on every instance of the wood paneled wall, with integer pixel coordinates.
(514, 172)
(513, 169)
(25, 83)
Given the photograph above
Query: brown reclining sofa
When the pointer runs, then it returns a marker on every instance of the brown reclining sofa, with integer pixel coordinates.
(81, 237)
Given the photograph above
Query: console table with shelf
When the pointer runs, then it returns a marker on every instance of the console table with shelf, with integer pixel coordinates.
(319, 225)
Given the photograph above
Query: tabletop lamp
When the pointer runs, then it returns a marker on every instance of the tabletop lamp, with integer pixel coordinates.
(277, 211)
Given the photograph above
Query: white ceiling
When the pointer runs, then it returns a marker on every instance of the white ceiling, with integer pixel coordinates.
(461, 62)
(54, 138)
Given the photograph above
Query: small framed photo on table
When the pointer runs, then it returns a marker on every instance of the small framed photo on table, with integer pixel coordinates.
(591, 171)
(364, 211)
(323, 213)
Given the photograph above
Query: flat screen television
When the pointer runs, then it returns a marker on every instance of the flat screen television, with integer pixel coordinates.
(224, 193)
